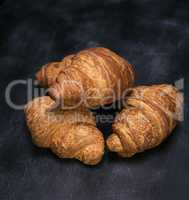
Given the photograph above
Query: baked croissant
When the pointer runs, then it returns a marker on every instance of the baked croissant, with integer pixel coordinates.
(149, 117)
(69, 134)
(96, 76)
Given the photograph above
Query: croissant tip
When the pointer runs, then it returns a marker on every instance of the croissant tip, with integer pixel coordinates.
(113, 143)
(54, 94)
(92, 155)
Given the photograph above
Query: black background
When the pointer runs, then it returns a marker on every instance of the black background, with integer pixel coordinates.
(152, 35)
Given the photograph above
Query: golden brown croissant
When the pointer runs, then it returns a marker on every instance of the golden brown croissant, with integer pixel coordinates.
(149, 117)
(95, 76)
(69, 134)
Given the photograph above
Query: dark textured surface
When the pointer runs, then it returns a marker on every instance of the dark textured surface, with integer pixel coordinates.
(152, 35)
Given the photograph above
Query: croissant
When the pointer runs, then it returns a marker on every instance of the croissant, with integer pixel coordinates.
(150, 115)
(96, 76)
(68, 133)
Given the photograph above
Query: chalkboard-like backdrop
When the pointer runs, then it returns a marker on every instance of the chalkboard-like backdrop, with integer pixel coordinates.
(153, 35)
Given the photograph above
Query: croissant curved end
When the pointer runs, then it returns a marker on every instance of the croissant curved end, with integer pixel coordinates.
(39, 77)
(54, 93)
(114, 144)
(92, 154)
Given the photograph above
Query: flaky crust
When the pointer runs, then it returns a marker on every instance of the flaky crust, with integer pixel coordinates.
(95, 76)
(149, 117)
(69, 134)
